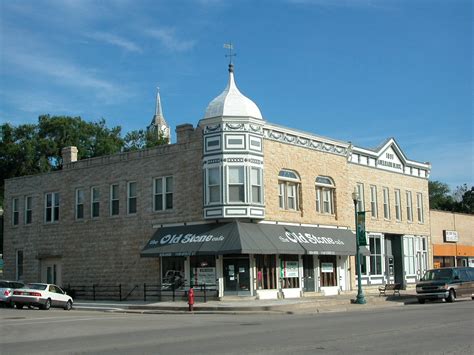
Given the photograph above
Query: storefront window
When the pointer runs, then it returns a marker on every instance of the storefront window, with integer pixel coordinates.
(203, 270)
(289, 271)
(172, 274)
(266, 272)
(443, 261)
(409, 251)
(375, 255)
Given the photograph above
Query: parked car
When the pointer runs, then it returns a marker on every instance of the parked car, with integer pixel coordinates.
(6, 291)
(446, 283)
(42, 295)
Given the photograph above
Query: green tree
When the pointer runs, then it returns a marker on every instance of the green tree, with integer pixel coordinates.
(35, 148)
(142, 139)
(440, 198)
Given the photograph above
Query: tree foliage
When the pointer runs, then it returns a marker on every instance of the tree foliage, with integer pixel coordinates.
(142, 139)
(36, 148)
(460, 200)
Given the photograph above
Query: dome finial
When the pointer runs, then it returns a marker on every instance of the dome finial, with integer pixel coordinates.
(230, 47)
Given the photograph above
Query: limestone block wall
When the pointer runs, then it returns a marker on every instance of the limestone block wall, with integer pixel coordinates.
(371, 176)
(308, 164)
(103, 250)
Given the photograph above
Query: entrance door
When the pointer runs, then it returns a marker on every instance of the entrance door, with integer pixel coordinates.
(327, 265)
(237, 276)
(308, 273)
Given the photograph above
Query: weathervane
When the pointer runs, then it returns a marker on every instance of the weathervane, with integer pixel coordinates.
(230, 47)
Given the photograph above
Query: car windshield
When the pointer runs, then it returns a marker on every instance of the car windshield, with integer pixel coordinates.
(37, 286)
(438, 274)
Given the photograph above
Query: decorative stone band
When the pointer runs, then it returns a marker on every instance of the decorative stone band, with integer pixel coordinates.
(306, 142)
(235, 127)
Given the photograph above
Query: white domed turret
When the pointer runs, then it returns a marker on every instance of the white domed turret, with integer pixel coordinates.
(231, 102)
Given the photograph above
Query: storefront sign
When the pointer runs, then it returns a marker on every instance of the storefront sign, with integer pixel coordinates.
(186, 238)
(205, 275)
(289, 269)
(327, 267)
(450, 236)
(308, 238)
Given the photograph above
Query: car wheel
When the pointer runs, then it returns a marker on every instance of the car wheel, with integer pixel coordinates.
(421, 300)
(68, 306)
(19, 305)
(451, 297)
(47, 305)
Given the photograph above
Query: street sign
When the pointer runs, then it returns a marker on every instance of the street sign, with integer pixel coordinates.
(361, 237)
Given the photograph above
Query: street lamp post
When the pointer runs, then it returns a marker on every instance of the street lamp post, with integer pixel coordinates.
(360, 299)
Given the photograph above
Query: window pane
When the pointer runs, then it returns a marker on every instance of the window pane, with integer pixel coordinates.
(80, 211)
(256, 194)
(132, 205)
(114, 192)
(214, 176)
(115, 207)
(169, 201)
(236, 175)
(158, 202)
(132, 189)
(169, 184)
(281, 194)
(214, 194)
(236, 193)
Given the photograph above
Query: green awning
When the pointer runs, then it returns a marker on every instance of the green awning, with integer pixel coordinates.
(249, 238)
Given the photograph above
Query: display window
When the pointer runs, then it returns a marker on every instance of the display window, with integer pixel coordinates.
(203, 271)
(266, 272)
(289, 271)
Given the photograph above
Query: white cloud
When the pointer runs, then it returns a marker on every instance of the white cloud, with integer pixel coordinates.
(168, 38)
(116, 41)
(66, 74)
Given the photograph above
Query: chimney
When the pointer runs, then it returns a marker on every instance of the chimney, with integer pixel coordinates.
(184, 132)
(69, 154)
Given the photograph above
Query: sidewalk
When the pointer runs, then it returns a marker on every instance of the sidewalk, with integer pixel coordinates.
(315, 304)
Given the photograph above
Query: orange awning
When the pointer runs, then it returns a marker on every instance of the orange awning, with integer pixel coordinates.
(452, 250)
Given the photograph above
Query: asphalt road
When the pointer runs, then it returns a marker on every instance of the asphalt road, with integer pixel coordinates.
(435, 328)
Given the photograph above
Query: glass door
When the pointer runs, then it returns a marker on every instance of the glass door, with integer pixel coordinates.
(237, 276)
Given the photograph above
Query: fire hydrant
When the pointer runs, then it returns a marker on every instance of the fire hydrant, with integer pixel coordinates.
(191, 299)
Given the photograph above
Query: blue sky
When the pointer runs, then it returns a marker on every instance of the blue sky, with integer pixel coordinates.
(354, 70)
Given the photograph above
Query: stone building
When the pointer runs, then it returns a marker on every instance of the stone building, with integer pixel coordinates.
(246, 206)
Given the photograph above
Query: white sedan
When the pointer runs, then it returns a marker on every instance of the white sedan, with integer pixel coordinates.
(41, 295)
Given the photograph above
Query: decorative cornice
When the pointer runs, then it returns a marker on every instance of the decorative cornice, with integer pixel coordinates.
(306, 141)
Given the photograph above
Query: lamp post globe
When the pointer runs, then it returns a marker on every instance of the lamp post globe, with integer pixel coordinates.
(360, 299)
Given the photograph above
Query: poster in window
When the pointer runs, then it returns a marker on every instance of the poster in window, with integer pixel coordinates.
(289, 269)
(327, 267)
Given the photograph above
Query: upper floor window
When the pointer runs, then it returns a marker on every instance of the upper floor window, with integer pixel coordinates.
(419, 207)
(289, 184)
(95, 202)
(15, 211)
(28, 210)
(256, 183)
(163, 193)
(398, 206)
(361, 201)
(325, 190)
(236, 184)
(213, 185)
(373, 201)
(409, 207)
(51, 207)
(132, 197)
(386, 203)
(114, 200)
(79, 204)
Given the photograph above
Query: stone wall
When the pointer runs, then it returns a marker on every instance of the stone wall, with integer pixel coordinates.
(103, 250)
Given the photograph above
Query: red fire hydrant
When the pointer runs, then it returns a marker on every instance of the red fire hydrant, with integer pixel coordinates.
(191, 299)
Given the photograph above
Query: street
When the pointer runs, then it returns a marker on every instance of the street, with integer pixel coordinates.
(433, 328)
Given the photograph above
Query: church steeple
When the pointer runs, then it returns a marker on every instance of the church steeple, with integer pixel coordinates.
(158, 125)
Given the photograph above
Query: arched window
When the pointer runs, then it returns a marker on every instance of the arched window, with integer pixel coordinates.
(325, 190)
(289, 184)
